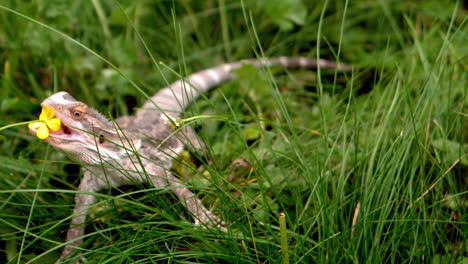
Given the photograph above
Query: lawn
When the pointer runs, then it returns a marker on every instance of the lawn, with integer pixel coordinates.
(364, 166)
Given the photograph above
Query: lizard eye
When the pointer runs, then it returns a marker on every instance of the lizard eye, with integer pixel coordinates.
(78, 113)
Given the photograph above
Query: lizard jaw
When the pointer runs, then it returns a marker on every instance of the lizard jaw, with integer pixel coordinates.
(64, 135)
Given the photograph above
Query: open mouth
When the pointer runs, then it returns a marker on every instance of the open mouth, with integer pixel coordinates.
(64, 130)
(63, 133)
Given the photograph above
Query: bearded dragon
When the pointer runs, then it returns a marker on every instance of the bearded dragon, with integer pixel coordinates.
(140, 148)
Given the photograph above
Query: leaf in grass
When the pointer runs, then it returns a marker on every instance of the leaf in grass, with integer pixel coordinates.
(251, 133)
(122, 51)
(286, 13)
(450, 151)
(252, 79)
(118, 17)
(261, 205)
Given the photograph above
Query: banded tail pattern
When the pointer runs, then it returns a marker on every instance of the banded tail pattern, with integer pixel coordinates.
(177, 96)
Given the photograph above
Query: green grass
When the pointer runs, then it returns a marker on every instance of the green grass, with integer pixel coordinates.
(368, 166)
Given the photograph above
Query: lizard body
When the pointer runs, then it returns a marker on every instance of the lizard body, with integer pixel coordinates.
(141, 148)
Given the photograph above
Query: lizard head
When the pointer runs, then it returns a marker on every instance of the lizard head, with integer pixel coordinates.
(84, 133)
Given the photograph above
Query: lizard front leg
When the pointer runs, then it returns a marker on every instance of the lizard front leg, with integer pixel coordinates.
(161, 177)
(82, 202)
(201, 214)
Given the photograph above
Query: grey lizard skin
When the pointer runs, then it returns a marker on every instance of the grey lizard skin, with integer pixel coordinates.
(141, 148)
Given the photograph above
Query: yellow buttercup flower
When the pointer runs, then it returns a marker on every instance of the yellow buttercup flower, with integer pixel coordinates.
(48, 122)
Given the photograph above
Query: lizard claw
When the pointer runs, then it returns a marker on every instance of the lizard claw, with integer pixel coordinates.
(209, 219)
(81, 261)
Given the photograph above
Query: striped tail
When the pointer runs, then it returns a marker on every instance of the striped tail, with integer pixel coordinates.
(174, 98)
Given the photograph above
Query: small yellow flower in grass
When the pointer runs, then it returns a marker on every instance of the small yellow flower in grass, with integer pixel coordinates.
(48, 121)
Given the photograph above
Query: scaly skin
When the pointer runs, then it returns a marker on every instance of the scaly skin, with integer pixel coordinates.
(140, 148)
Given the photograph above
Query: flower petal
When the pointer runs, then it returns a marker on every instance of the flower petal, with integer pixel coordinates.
(54, 124)
(48, 112)
(42, 132)
(35, 125)
(43, 116)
